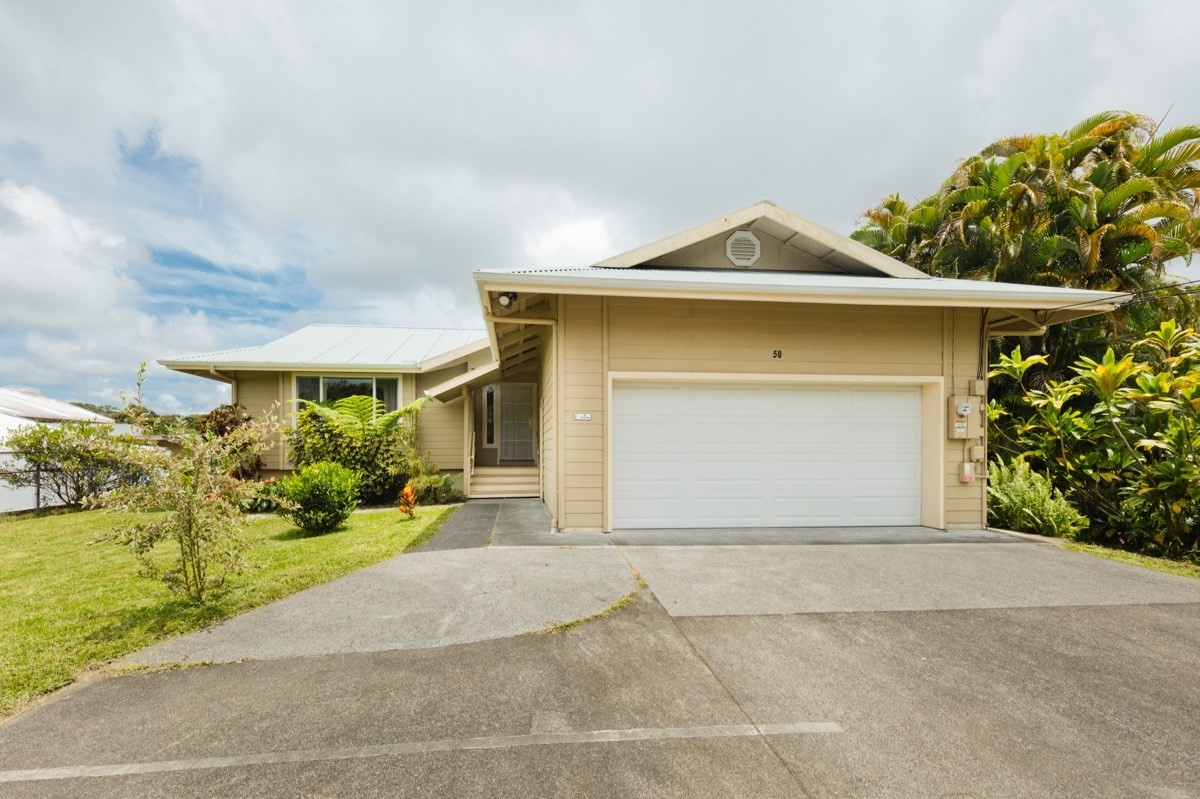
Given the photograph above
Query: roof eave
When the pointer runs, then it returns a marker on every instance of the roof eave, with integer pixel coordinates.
(202, 368)
(934, 295)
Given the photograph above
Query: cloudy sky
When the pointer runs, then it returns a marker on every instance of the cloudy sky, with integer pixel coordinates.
(179, 177)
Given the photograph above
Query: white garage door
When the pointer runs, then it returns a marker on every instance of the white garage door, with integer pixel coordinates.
(721, 455)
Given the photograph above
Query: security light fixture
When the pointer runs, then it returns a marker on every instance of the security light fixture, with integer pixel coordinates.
(506, 299)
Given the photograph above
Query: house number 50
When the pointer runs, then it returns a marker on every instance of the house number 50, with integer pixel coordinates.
(776, 353)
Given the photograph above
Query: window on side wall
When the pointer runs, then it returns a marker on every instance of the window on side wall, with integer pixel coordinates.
(316, 388)
(489, 416)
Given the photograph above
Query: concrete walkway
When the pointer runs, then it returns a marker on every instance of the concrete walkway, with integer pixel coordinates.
(494, 571)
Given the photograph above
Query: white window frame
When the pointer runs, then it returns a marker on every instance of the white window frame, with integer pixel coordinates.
(320, 376)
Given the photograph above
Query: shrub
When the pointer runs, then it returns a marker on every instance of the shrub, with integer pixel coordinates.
(223, 420)
(430, 486)
(78, 462)
(1120, 438)
(357, 433)
(191, 497)
(320, 497)
(268, 498)
(408, 502)
(1021, 499)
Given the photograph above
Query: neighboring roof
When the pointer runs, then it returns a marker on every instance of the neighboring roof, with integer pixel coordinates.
(839, 253)
(371, 347)
(29, 405)
(795, 286)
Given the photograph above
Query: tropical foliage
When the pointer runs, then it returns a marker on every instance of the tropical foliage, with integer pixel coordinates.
(358, 433)
(1023, 500)
(223, 420)
(408, 502)
(1107, 204)
(1120, 438)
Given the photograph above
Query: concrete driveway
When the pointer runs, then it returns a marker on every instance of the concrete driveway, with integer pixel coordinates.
(924, 666)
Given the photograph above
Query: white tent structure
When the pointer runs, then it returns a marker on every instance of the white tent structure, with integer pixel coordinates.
(21, 407)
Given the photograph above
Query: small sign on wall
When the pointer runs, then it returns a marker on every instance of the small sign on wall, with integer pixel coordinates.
(582, 417)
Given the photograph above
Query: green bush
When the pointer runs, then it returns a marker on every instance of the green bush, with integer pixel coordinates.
(1120, 438)
(77, 462)
(436, 489)
(1021, 499)
(320, 497)
(357, 433)
(266, 497)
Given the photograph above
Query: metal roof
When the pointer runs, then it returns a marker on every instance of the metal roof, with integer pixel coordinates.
(30, 405)
(340, 346)
(787, 284)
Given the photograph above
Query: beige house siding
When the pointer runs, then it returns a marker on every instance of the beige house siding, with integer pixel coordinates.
(548, 394)
(441, 427)
(262, 392)
(674, 335)
(583, 377)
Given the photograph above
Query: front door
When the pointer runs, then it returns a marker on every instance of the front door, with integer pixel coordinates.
(517, 411)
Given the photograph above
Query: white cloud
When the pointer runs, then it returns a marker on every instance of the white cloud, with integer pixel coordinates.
(387, 149)
(67, 290)
(56, 269)
(579, 242)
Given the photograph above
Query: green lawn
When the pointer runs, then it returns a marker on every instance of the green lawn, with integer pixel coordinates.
(1182, 568)
(67, 605)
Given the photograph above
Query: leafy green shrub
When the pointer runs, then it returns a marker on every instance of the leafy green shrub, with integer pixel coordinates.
(1121, 439)
(436, 488)
(430, 486)
(223, 420)
(357, 433)
(320, 497)
(268, 497)
(78, 462)
(1021, 499)
(190, 497)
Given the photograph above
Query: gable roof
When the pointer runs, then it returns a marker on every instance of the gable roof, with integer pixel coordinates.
(367, 347)
(833, 250)
(26, 404)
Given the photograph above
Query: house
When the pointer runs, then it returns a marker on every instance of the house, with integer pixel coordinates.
(22, 407)
(755, 371)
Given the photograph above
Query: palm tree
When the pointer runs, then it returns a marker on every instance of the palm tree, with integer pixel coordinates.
(1107, 204)
(1104, 205)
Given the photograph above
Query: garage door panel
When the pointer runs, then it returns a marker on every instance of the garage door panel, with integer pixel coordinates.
(765, 455)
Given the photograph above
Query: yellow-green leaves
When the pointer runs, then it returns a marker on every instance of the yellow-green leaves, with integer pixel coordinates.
(1107, 375)
(1015, 365)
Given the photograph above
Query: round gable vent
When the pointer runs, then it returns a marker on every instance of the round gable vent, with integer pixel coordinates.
(743, 248)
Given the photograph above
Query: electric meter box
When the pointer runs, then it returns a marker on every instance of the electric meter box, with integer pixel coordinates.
(964, 417)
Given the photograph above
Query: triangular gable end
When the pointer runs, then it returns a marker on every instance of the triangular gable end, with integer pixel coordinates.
(781, 241)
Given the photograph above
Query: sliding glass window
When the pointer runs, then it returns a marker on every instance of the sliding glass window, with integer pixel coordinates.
(330, 388)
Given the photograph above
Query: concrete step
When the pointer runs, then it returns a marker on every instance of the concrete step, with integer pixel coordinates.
(504, 481)
(483, 471)
(501, 494)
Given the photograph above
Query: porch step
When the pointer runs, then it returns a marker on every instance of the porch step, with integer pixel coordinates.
(490, 482)
(505, 470)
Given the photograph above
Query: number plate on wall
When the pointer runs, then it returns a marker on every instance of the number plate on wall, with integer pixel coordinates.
(582, 417)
